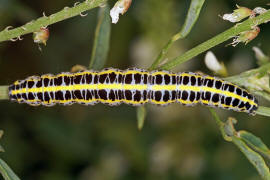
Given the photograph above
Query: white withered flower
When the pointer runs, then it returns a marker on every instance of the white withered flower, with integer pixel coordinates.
(120, 7)
(238, 14)
(211, 62)
(214, 65)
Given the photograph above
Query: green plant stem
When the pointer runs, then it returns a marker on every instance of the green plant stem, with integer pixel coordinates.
(219, 123)
(48, 20)
(232, 32)
(191, 19)
(4, 92)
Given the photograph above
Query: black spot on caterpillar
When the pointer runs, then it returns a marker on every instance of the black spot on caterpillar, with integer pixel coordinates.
(132, 86)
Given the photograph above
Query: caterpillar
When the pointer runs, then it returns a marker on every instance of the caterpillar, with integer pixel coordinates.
(132, 86)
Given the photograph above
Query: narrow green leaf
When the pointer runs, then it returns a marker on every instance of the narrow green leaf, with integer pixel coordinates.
(264, 95)
(255, 159)
(192, 16)
(7, 173)
(141, 114)
(102, 39)
(255, 143)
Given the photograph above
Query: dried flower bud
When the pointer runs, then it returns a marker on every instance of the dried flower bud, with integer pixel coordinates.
(214, 65)
(41, 36)
(238, 14)
(120, 7)
(250, 35)
(247, 36)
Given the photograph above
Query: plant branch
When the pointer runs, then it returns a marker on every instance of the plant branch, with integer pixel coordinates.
(48, 20)
(232, 32)
(220, 124)
(230, 134)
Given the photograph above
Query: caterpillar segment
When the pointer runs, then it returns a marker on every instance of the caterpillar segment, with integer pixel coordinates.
(132, 86)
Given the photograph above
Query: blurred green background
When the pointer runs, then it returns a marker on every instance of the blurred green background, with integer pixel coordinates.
(102, 142)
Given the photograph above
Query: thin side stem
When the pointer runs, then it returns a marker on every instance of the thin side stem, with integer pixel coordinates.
(220, 123)
(48, 20)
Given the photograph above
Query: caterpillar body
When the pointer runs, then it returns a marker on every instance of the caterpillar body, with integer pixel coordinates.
(132, 86)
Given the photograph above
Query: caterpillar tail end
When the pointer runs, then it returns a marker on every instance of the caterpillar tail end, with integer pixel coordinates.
(10, 96)
(254, 108)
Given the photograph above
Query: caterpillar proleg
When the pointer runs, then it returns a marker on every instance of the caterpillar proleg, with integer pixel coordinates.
(132, 86)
